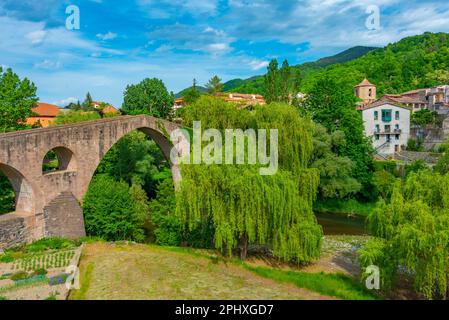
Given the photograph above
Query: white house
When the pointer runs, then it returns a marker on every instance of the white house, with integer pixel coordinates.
(388, 125)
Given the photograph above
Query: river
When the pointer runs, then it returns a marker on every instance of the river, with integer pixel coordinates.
(337, 224)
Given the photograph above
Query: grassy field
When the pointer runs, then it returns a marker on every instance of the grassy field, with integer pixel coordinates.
(131, 271)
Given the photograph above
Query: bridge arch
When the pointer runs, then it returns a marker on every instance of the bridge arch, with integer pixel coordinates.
(65, 158)
(24, 193)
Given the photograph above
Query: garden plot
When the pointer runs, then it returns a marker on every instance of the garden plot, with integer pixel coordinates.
(38, 271)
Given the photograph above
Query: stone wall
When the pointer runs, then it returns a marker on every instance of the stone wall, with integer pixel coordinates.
(64, 217)
(12, 230)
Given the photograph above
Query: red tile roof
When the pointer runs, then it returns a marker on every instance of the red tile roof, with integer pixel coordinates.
(46, 110)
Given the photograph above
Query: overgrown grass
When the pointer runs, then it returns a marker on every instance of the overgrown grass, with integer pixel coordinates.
(85, 279)
(335, 285)
(338, 206)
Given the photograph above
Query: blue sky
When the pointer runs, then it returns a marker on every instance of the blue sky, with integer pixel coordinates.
(122, 42)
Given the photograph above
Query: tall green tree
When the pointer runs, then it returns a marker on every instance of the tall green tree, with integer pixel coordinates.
(148, 97)
(17, 98)
(245, 207)
(214, 85)
(334, 108)
(412, 235)
(271, 82)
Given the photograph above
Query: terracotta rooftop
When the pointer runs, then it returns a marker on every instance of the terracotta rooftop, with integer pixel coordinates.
(364, 83)
(46, 110)
(384, 101)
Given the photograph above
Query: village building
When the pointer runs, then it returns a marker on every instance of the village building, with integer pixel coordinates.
(387, 120)
(44, 114)
(388, 126)
(105, 108)
(179, 103)
(244, 99)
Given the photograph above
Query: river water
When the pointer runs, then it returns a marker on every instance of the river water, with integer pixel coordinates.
(336, 224)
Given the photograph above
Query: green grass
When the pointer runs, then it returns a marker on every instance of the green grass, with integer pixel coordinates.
(335, 285)
(338, 206)
(85, 280)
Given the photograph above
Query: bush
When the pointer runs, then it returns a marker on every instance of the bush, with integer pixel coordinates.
(40, 272)
(111, 211)
(21, 275)
(6, 258)
(50, 244)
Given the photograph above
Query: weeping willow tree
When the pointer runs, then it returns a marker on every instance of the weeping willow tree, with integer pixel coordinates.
(246, 207)
(412, 232)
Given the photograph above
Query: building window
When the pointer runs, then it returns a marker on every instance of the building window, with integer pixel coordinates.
(376, 115)
(397, 137)
(388, 138)
(377, 128)
(396, 148)
(370, 92)
(396, 115)
(386, 115)
(376, 136)
(387, 128)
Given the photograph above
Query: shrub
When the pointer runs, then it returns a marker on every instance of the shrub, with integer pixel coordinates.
(39, 272)
(6, 258)
(21, 275)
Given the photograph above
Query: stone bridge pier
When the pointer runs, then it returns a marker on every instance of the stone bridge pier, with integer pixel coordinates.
(48, 204)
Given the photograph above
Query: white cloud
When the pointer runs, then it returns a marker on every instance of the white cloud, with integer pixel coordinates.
(257, 64)
(36, 37)
(107, 36)
(48, 64)
(66, 102)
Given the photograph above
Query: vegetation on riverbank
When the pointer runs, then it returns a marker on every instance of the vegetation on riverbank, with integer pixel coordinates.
(350, 207)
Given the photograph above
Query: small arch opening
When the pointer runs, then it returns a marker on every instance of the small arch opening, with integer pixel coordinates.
(58, 159)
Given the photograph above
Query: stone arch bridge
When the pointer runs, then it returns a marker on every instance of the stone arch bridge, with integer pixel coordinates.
(47, 203)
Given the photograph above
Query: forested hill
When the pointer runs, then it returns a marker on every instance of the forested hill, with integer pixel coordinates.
(414, 62)
(255, 84)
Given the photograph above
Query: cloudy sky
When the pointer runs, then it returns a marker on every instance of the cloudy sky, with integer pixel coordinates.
(121, 42)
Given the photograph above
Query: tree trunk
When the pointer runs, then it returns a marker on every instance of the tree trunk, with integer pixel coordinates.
(243, 247)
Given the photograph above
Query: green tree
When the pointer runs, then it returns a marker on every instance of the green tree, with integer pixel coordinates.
(113, 211)
(136, 159)
(7, 196)
(425, 117)
(336, 179)
(284, 82)
(245, 207)
(17, 98)
(271, 82)
(412, 235)
(148, 97)
(214, 85)
(334, 108)
(384, 182)
(192, 94)
(87, 103)
(75, 116)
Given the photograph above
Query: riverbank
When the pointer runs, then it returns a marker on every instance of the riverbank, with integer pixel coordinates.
(344, 207)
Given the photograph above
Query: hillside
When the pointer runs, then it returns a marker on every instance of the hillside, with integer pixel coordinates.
(255, 83)
(414, 62)
(181, 93)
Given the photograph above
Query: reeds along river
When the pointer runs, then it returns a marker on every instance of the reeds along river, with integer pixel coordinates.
(337, 224)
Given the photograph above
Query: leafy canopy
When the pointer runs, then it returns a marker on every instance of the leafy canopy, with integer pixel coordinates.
(17, 98)
(148, 97)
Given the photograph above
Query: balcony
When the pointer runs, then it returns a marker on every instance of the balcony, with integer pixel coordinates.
(394, 131)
